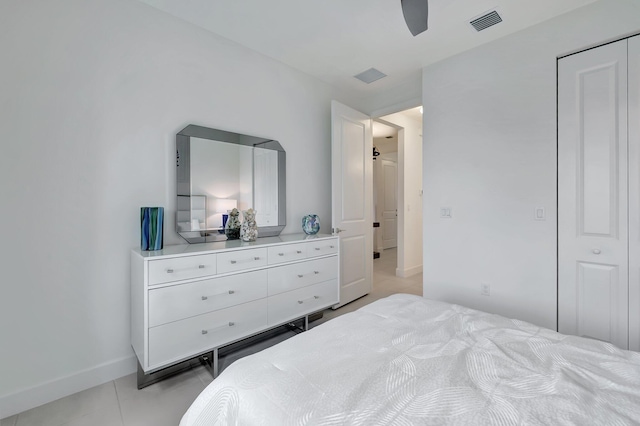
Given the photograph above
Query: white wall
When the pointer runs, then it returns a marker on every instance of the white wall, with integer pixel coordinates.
(91, 97)
(409, 196)
(490, 155)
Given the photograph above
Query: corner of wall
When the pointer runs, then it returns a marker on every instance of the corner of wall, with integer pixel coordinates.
(409, 272)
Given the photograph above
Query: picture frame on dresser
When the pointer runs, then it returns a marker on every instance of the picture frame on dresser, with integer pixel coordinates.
(189, 301)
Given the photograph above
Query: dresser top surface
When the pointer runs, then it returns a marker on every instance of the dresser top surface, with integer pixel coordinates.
(203, 248)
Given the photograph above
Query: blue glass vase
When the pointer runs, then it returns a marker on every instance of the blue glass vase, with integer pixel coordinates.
(225, 217)
(151, 224)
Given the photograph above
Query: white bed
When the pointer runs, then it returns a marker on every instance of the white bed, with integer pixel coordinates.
(406, 360)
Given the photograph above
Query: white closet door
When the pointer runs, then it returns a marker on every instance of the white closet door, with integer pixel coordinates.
(593, 269)
(634, 192)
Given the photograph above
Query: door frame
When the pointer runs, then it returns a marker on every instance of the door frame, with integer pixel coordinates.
(399, 192)
(401, 177)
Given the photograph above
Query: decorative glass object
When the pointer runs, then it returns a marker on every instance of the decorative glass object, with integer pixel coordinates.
(232, 227)
(225, 217)
(151, 224)
(249, 230)
(311, 224)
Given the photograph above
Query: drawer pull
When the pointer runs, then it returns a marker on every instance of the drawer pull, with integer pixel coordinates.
(314, 272)
(282, 254)
(231, 324)
(306, 300)
(169, 271)
(233, 262)
(320, 248)
(219, 294)
(200, 266)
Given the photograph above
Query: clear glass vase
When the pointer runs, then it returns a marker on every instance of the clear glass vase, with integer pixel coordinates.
(249, 230)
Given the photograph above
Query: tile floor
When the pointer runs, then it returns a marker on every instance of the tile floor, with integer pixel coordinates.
(119, 402)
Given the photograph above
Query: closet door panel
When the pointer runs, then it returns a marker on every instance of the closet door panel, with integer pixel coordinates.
(592, 194)
(634, 193)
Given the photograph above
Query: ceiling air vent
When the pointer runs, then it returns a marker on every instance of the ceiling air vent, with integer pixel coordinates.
(486, 21)
(370, 75)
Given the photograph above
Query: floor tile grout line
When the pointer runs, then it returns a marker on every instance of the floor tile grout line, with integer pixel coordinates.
(118, 400)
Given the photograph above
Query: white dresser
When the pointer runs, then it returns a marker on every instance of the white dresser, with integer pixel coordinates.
(191, 299)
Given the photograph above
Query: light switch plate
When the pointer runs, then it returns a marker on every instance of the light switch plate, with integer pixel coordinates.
(539, 214)
(445, 212)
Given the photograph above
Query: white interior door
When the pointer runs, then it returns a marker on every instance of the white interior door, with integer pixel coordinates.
(592, 194)
(634, 190)
(352, 194)
(265, 184)
(389, 204)
(378, 198)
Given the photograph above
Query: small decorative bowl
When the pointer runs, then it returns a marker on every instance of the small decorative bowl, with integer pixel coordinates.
(311, 224)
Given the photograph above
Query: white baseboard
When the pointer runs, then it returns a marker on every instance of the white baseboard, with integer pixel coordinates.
(43, 393)
(408, 272)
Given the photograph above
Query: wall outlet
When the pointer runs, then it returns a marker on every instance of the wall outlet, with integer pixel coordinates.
(445, 212)
(485, 289)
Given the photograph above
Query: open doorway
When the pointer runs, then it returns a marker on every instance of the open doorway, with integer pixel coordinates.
(397, 187)
(385, 187)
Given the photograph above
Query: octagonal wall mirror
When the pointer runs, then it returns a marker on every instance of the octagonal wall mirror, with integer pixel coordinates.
(218, 171)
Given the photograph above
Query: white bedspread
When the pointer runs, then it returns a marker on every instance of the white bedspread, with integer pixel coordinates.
(406, 360)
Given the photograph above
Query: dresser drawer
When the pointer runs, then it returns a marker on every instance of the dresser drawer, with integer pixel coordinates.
(322, 247)
(177, 302)
(241, 259)
(181, 268)
(297, 275)
(182, 339)
(286, 253)
(296, 303)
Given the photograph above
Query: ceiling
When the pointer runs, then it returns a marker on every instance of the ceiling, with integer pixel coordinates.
(380, 128)
(335, 39)
(381, 131)
(385, 135)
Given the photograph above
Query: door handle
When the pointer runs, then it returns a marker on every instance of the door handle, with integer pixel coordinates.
(337, 230)
(596, 251)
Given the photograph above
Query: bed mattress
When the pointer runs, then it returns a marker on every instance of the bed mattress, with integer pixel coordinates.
(406, 360)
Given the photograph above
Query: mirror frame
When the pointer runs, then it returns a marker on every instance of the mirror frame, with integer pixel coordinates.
(183, 174)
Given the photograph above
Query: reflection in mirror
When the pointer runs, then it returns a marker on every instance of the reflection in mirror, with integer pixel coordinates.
(218, 171)
(192, 213)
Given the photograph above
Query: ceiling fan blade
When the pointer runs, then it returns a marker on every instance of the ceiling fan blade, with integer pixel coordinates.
(416, 15)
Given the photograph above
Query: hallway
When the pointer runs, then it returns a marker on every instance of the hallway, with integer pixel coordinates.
(385, 283)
